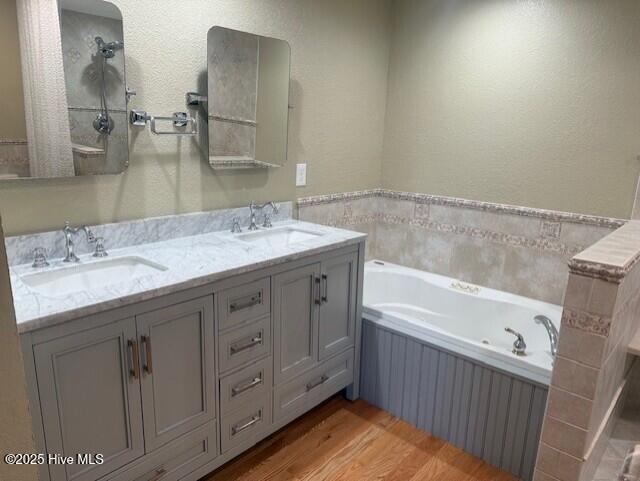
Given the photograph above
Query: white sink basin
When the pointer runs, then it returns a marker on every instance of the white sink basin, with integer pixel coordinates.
(278, 236)
(91, 275)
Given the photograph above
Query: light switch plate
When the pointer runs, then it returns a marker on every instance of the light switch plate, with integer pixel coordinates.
(301, 175)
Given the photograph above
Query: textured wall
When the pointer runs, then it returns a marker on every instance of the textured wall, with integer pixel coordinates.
(528, 103)
(12, 124)
(339, 61)
(15, 421)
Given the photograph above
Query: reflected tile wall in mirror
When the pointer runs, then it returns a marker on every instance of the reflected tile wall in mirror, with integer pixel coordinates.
(84, 131)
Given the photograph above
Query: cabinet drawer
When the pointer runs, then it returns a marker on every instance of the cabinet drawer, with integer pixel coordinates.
(246, 424)
(241, 387)
(247, 302)
(306, 391)
(246, 344)
(176, 459)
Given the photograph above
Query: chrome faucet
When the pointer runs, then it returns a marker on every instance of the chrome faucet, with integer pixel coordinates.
(551, 331)
(519, 346)
(267, 218)
(69, 232)
(253, 207)
(252, 222)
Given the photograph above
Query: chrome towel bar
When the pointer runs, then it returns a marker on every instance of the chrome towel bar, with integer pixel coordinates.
(178, 119)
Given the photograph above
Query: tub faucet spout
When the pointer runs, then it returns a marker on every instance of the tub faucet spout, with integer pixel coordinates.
(551, 331)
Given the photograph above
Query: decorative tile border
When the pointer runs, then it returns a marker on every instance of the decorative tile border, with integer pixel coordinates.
(512, 240)
(549, 215)
(548, 241)
(586, 322)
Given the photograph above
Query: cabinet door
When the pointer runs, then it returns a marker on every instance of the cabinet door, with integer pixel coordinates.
(295, 311)
(176, 345)
(338, 308)
(90, 399)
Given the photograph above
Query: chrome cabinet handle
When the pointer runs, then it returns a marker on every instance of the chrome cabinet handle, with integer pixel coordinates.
(325, 288)
(245, 303)
(243, 346)
(313, 385)
(250, 385)
(148, 367)
(254, 419)
(159, 474)
(318, 294)
(135, 367)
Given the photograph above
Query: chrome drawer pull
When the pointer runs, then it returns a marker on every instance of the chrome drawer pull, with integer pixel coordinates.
(313, 385)
(318, 293)
(240, 346)
(240, 389)
(325, 288)
(245, 303)
(238, 429)
(159, 474)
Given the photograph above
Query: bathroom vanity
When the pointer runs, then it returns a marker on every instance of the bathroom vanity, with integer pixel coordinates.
(170, 375)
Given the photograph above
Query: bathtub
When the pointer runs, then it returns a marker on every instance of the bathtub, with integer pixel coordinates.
(461, 318)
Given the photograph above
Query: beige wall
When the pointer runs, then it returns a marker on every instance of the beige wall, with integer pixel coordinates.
(15, 421)
(339, 62)
(529, 103)
(12, 125)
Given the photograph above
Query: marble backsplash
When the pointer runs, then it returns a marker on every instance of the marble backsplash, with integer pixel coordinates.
(135, 232)
(515, 249)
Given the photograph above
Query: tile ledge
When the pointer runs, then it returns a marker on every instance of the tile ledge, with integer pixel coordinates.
(591, 264)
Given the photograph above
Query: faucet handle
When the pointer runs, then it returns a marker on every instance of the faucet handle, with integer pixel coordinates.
(235, 228)
(100, 250)
(519, 346)
(39, 258)
(267, 221)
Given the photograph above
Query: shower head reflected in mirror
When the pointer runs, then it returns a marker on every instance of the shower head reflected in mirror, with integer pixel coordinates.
(103, 123)
(108, 49)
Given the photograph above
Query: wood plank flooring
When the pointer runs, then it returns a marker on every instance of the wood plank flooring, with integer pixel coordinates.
(343, 441)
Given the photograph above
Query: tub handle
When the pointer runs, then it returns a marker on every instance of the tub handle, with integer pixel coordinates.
(519, 346)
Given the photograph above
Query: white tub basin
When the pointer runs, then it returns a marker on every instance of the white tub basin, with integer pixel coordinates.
(90, 275)
(278, 236)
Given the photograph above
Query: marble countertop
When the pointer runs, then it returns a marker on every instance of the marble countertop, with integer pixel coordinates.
(191, 261)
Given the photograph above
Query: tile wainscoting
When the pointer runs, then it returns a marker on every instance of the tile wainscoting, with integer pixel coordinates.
(515, 249)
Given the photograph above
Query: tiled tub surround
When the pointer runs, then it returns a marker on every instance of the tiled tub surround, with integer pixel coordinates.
(515, 249)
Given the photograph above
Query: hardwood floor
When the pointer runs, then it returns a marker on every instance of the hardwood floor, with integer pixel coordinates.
(346, 441)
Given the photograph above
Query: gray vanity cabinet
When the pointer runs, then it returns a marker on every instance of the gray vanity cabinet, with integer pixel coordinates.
(337, 304)
(296, 299)
(177, 369)
(90, 398)
(96, 384)
(314, 312)
(141, 383)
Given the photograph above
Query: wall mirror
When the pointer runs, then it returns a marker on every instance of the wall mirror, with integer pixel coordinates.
(63, 91)
(248, 99)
